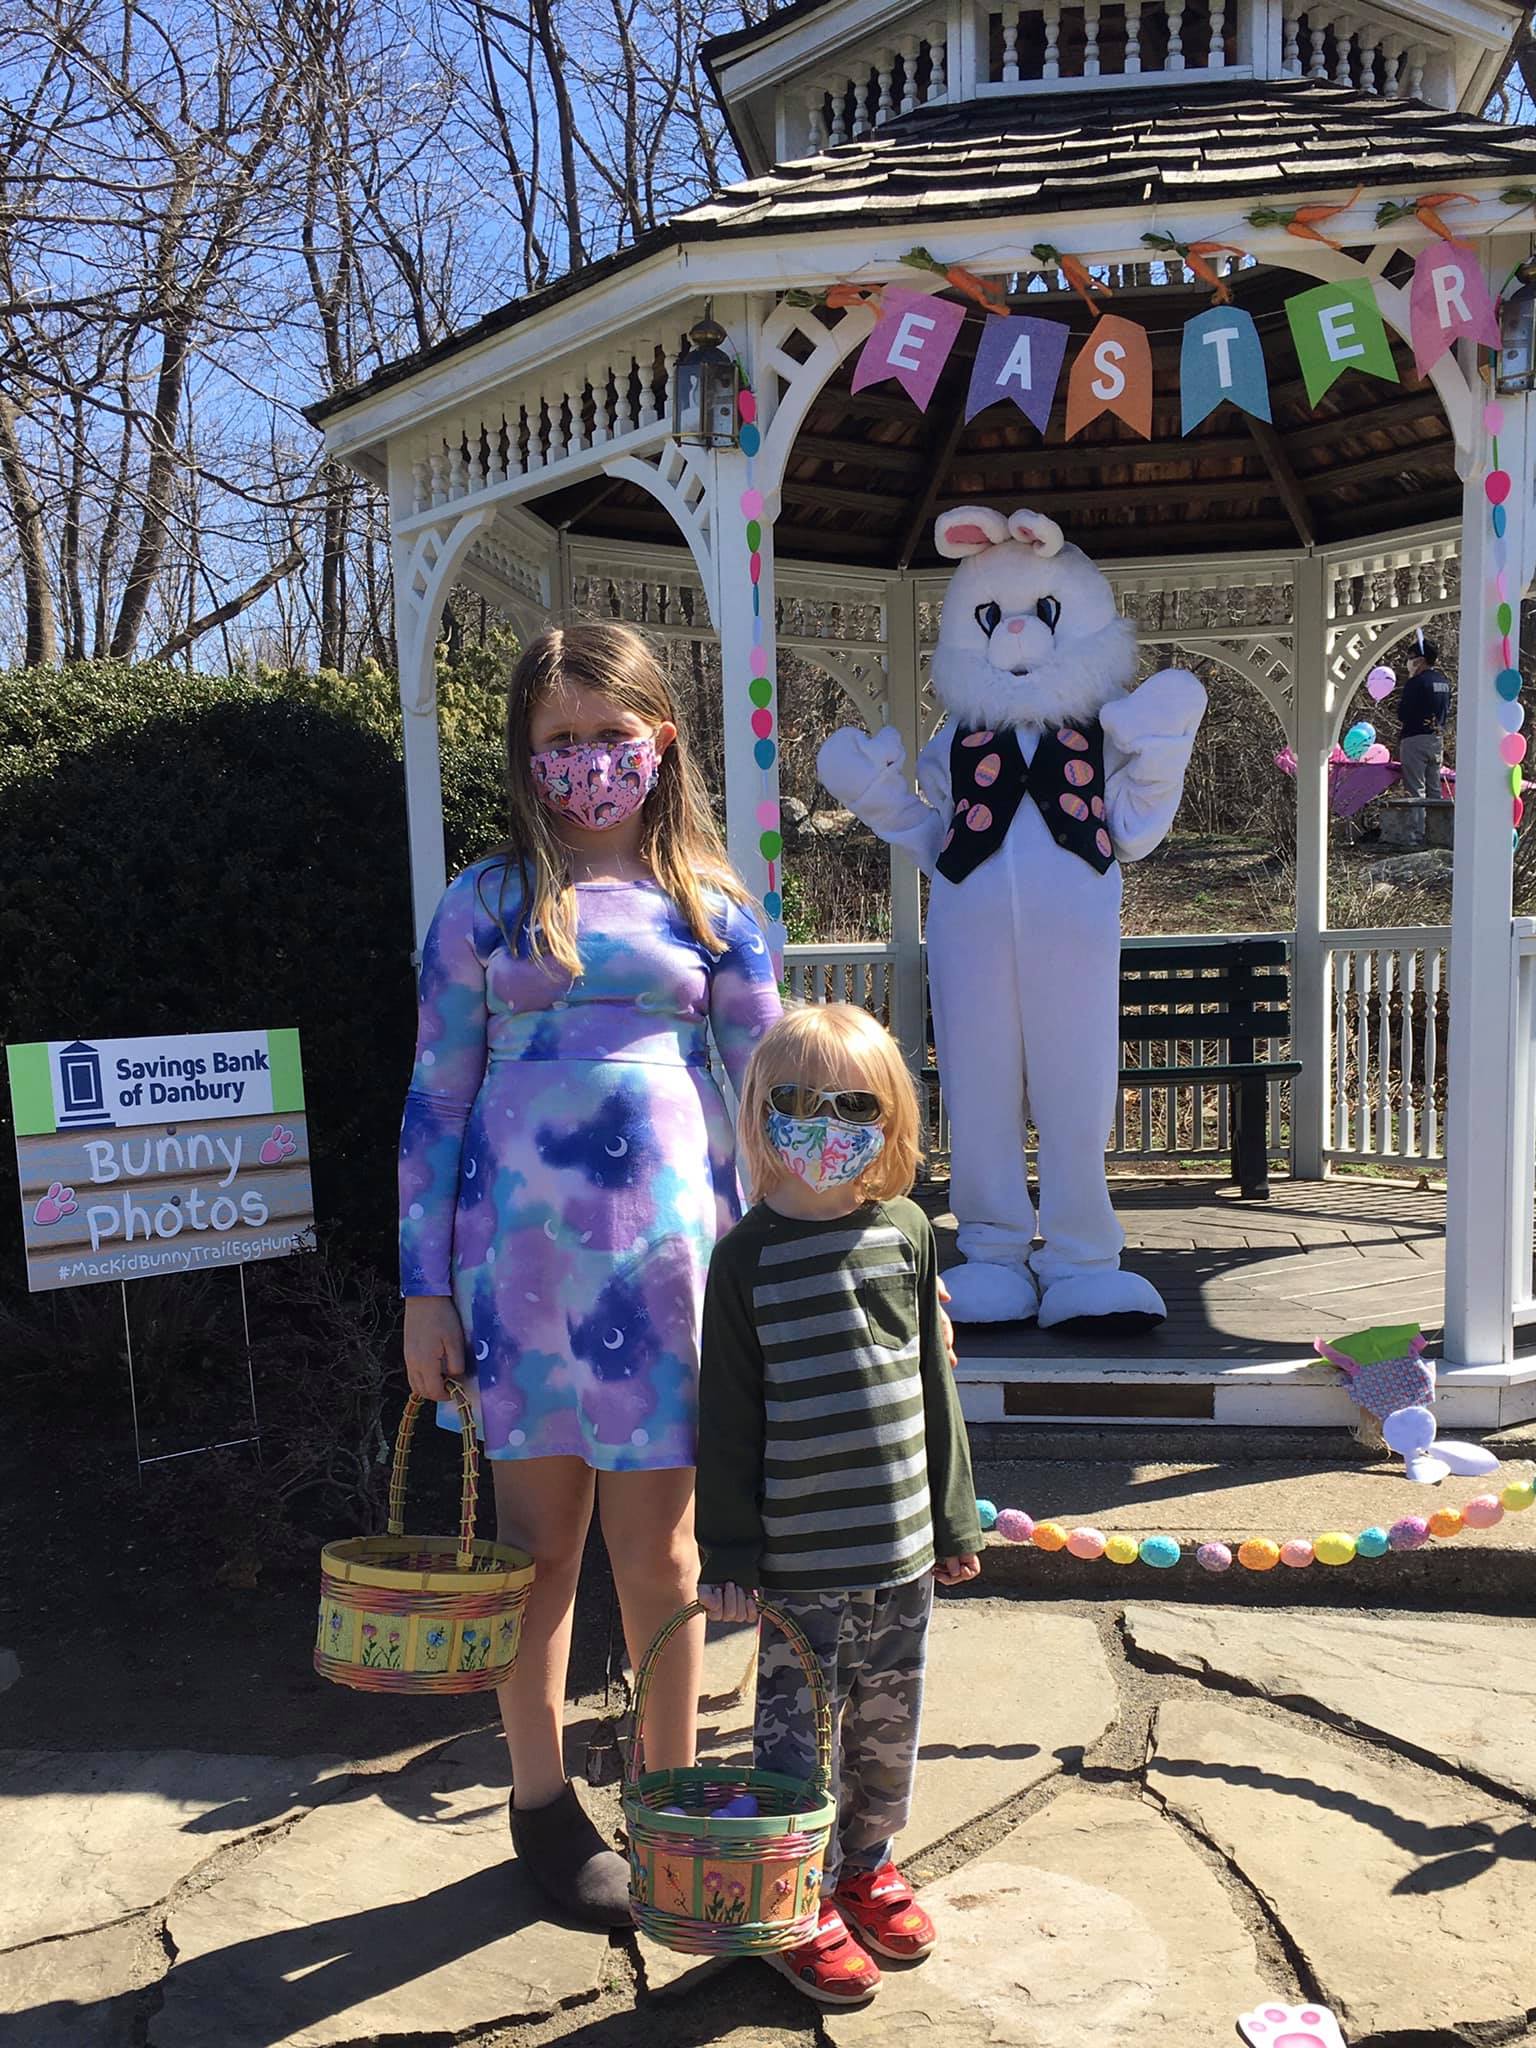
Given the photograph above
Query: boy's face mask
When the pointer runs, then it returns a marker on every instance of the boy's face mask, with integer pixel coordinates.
(823, 1151)
(596, 786)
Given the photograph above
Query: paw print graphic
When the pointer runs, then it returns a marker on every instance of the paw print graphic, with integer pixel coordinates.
(279, 1146)
(1291, 2026)
(58, 1203)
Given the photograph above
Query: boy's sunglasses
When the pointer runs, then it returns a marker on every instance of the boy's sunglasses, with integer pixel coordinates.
(848, 1105)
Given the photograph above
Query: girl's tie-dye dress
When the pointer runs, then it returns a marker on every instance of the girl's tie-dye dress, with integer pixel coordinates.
(567, 1160)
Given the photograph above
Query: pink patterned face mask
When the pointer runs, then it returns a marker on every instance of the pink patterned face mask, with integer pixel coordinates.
(598, 786)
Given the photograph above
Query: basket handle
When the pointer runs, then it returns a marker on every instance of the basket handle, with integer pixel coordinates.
(809, 1664)
(470, 1486)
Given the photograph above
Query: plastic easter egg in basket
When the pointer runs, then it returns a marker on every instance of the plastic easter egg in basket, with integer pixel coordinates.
(1358, 738)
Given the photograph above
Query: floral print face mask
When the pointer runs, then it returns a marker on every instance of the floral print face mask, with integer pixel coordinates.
(823, 1151)
(598, 786)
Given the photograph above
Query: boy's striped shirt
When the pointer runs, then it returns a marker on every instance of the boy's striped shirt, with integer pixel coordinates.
(817, 1361)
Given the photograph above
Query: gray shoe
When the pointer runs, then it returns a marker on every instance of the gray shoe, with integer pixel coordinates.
(569, 1861)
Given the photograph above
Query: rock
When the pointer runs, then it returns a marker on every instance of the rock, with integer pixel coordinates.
(396, 1910)
(1410, 1898)
(1430, 869)
(91, 1838)
(1461, 1690)
(990, 1730)
(1093, 1923)
(80, 1992)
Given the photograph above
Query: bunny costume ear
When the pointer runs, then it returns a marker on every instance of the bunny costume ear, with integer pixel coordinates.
(968, 530)
(1037, 532)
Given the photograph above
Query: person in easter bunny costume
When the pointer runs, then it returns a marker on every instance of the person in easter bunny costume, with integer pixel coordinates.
(1048, 770)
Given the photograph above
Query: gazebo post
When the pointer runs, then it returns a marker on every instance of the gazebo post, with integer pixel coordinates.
(416, 675)
(1313, 713)
(1481, 1118)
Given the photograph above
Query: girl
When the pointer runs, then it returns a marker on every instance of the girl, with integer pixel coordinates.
(834, 1473)
(566, 1165)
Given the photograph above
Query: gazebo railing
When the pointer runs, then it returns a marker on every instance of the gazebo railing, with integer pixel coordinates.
(1523, 1218)
(1385, 1041)
(1388, 994)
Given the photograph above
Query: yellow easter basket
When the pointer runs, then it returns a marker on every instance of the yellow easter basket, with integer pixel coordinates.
(422, 1614)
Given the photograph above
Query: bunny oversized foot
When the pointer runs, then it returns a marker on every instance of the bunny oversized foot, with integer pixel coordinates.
(1117, 1303)
(980, 1292)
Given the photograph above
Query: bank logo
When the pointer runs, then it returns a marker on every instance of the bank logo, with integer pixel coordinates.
(82, 1099)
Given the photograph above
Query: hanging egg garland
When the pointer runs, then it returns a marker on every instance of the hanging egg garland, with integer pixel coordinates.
(760, 690)
(1496, 488)
(1333, 1549)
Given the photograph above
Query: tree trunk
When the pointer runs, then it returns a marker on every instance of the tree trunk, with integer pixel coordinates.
(31, 545)
(159, 489)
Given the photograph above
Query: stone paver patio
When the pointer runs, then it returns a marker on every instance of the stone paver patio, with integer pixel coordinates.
(1134, 1822)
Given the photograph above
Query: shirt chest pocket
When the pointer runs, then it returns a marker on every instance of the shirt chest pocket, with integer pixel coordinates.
(889, 1303)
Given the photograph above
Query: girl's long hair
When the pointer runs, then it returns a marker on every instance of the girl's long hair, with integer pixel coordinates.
(680, 842)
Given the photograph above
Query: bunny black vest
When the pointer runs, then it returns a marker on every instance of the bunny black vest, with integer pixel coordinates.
(989, 779)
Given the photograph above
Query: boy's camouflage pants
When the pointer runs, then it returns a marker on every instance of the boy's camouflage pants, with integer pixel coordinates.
(872, 1648)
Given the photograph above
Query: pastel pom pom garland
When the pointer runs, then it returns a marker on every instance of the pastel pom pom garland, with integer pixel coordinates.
(1335, 1547)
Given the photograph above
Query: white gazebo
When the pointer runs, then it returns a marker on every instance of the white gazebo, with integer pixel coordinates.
(533, 459)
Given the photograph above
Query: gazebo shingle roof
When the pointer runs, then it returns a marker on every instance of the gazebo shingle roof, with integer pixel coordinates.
(1237, 141)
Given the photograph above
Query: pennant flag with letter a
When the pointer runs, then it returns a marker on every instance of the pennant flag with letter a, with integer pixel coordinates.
(1112, 374)
(1220, 357)
(1018, 358)
(1448, 299)
(1338, 327)
(911, 342)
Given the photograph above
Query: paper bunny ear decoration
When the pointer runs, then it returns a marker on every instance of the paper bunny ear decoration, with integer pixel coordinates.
(1418, 638)
(1390, 1378)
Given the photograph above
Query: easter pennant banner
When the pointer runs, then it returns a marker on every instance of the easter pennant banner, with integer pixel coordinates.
(1448, 299)
(911, 342)
(1338, 327)
(1220, 357)
(1113, 374)
(1020, 359)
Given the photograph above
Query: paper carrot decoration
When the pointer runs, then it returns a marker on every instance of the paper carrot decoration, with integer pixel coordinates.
(1425, 211)
(979, 290)
(1302, 221)
(1074, 270)
(1194, 254)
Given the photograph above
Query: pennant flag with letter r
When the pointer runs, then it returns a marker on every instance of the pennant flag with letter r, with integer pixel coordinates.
(1112, 374)
(1220, 357)
(1019, 358)
(1338, 327)
(911, 342)
(1448, 299)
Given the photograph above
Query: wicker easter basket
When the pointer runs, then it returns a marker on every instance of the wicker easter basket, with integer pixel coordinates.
(422, 1614)
(710, 1883)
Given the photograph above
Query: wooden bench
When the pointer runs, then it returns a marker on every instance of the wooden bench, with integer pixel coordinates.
(1228, 993)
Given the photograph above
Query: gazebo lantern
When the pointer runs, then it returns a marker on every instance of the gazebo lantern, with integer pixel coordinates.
(705, 385)
(1517, 334)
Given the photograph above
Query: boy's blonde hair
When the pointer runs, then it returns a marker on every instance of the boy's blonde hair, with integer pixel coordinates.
(832, 1046)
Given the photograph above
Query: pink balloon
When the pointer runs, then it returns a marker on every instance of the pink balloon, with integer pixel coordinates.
(1381, 682)
(1377, 753)
(1512, 748)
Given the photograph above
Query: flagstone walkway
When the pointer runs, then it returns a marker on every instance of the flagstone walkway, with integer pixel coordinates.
(1134, 1822)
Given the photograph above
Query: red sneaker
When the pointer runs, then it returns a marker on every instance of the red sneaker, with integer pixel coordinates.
(885, 1914)
(830, 1967)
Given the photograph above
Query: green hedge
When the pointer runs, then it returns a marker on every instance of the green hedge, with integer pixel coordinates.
(195, 853)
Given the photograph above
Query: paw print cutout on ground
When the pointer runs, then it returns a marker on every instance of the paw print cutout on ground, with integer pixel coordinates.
(279, 1146)
(1291, 2026)
(58, 1203)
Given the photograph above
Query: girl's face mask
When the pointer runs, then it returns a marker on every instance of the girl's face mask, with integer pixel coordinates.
(596, 786)
(823, 1151)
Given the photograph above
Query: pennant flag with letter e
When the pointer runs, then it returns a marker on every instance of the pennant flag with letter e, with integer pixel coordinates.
(1338, 327)
(1448, 300)
(1018, 358)
(911, 342)
(1220, 357)
(1112, 374)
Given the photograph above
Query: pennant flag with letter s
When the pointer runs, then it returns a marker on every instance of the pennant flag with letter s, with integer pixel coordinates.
(1221, 357)
(1338, 327)
(911, 342)
(1449, 299)
(1019, 358)
(1112, 374)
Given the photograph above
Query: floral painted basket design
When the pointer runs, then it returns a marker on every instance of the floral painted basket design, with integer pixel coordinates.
(422, 1614)
(712, 1883)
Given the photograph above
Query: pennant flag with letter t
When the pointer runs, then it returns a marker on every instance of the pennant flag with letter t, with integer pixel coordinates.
(1018, 358)
(1448, 299)
(1220, 357)
(1338, 327)
(1112, 374)
(911, 342)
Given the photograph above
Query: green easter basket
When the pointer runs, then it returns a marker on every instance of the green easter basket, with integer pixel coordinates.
(719, 1884)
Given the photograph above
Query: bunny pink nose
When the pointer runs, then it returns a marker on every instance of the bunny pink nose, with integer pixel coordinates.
(1015, 625)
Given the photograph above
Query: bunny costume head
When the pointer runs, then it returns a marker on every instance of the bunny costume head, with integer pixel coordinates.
(1030, 635)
